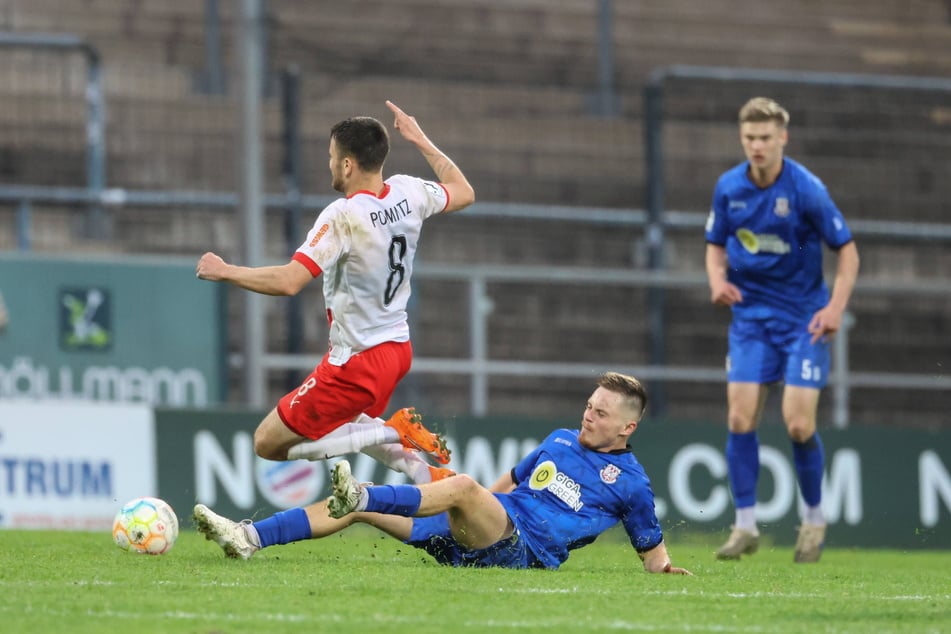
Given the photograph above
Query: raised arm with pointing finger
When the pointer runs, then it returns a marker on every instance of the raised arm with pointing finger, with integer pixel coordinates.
(460, 191)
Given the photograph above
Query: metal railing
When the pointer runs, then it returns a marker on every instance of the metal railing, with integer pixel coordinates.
(477, 364)
(95, 109)
(653, 221)
(653, 99)
(480, 367)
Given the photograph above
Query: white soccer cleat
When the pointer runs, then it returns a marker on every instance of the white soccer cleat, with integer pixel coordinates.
(740, 542)
(809, 544)
(231, 536)
(346, 491)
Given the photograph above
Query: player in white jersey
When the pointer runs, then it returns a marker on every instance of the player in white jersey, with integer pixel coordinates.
(363, 245)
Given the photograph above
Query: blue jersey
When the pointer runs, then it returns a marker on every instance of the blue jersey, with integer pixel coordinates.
(567, 495)
(773, 239)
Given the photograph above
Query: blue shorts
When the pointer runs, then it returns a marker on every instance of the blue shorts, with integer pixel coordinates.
(770, 350)
(432, 534)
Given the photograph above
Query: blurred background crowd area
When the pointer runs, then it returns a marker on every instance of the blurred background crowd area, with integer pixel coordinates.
(543, 112)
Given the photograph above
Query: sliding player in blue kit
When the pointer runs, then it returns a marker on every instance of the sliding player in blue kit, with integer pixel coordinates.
(769, 220)
(570, 489)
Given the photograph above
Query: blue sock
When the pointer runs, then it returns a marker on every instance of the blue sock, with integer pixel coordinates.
(742, 459)
(284, 527)
(809, 458)
(402, 499)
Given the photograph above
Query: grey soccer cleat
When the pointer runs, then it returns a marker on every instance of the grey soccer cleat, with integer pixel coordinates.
(231, 536)
(740, 542)
(809, 544)
(346, 491)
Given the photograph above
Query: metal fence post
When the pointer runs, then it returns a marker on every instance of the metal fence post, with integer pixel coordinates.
(95, 114)
(656, 299)
(291, 172)
(248, 33)
(24, 224)
(98, 226)
(213, 79)
(840, 373)
(607, 99)
(479, 306)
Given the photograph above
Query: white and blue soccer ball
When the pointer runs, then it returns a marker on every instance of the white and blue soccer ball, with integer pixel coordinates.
(145, 525)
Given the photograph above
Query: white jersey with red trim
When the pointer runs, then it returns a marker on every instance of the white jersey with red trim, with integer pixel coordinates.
(365, 245)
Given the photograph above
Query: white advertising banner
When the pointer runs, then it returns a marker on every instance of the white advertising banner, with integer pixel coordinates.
(72, 464)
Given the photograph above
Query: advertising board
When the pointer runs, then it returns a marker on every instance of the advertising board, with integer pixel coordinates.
(883, 487)
(123, 330)
(72, 464)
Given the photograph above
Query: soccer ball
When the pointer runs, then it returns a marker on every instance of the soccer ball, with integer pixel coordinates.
(145, 525)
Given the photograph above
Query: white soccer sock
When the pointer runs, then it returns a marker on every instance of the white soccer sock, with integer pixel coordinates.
(746, 519)
(252, 534)
(395, 457)
(813, 515)
(389, 434)
(364, 500)
(348, 438)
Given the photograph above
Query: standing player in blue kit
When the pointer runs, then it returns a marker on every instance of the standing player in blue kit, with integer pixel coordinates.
(769, 220)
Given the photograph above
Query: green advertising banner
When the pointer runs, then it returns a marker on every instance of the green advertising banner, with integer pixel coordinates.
(884, 487)
(124, 330)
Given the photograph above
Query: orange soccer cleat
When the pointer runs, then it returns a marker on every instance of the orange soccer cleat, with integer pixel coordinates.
(413, 435)
(440, 473)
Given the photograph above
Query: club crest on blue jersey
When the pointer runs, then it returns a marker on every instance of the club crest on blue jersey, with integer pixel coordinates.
(782, 207)
(609, 474)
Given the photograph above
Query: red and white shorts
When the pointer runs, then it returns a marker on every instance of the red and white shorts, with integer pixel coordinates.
(334, 395)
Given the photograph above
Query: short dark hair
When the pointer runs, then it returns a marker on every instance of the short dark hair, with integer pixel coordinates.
(628, 387)
(364, 139)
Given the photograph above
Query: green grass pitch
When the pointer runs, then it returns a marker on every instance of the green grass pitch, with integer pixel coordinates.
(361, 581)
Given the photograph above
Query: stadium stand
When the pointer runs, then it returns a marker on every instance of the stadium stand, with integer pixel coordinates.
(508, 88)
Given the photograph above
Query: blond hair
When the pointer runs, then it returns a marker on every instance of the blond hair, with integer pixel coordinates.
(763, 109)
(627, 386)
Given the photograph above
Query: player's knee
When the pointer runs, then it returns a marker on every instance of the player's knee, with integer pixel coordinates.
(739, 423)
(465, 484)
(800, 429)
(265, 449)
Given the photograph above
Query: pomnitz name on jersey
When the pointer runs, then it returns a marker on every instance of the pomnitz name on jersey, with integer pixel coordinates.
(390, 215)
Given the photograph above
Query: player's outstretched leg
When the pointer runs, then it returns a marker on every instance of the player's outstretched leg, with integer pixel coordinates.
(809, 544)
(740, 542)
(231, 536)
(346, 491)
(413, 435)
